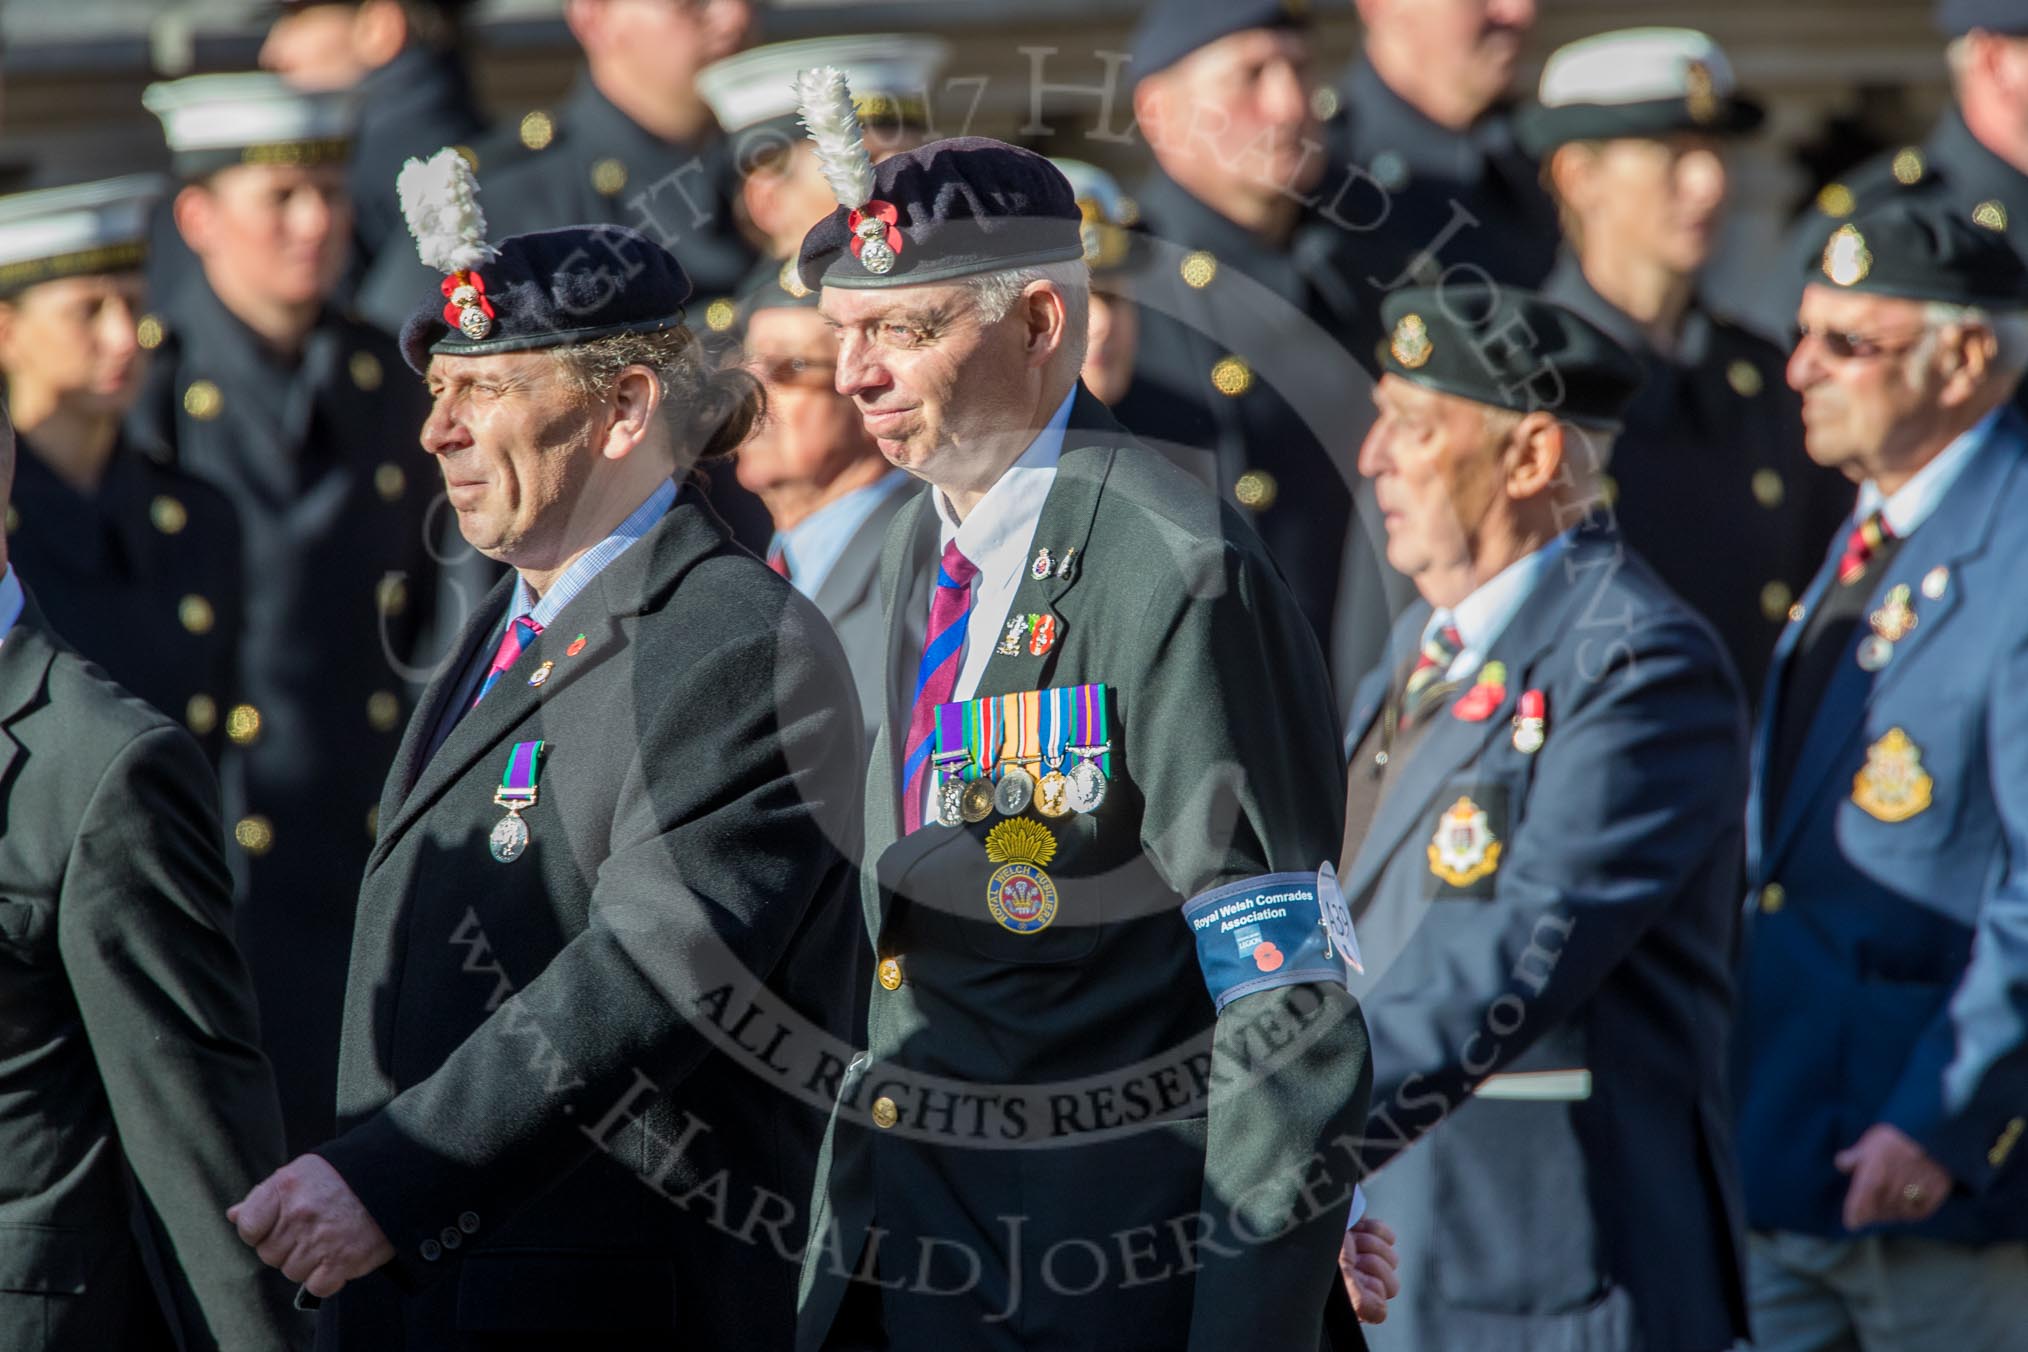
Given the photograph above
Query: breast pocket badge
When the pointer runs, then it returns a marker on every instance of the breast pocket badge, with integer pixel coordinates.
(1892, 786)
(1464, 851)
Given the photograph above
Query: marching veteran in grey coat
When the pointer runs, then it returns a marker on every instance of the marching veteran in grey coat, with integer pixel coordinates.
(1110, 1050)
(606, 928)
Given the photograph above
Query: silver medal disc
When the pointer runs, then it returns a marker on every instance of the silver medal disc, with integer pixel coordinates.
(1014, 792)
(509, 838)
(950, 801)
(1087, 787)
(1874, 652)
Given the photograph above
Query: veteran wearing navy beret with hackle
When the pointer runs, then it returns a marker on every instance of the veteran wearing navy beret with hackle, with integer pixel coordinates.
(633, 783)
(1541, 854)
(1109, 1046)
(1882, 1048)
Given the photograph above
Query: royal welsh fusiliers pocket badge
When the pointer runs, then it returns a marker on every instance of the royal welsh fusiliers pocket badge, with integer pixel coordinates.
(1020, 895)
(1892, 786)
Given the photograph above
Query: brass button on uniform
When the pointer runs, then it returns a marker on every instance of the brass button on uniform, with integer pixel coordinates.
(538, 129)
(373, 822)
(13, 522)
(608, 177)
(1198, 269)
(1990, 214)
(1768, 488)
(1608, 490)
(1256, 489)
(885, 1114)
(469, 156)
(201, 714)
(1908, 166)
(149, 333)
(383, 710)
(1744, 377)
(1231, 377)
(890, 974)
(1775, 599)
(168, 515)
(1324, 103)
(390, 481)
(1772, 898)
(196, 614)
(255, 835)
(718, 315)
(1835, 200)
(243, 724)
(203, 401)
(366, 371)
(392, 595)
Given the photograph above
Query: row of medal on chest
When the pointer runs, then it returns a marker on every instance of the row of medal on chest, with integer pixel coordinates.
(1011, 788)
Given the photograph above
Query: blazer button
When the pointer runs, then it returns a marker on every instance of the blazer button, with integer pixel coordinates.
(890, 974)
(468, 1221)
(885, 1114)
(1772, 898)
(452, 1237)
(431, 1251)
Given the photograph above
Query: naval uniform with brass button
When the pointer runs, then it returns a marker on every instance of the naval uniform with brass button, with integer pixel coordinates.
(1247, 367)
(142, 576)
(1883, 974)
(1708, 476)
(339, 578)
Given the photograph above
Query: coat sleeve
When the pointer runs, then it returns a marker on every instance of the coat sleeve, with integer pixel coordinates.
(1233, 740)
(1962, 1094)
(733, 822)
(145, 931)
(1640, 786)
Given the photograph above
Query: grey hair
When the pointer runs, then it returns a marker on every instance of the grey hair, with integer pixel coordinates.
(2008, 327)
(994, 294)
(709, 410)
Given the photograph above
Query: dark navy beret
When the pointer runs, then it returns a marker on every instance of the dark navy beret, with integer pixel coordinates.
(1917, 249)
(2008, 18)
(1509, 348)
(951, 209)
(1172, 29)
(552, 288)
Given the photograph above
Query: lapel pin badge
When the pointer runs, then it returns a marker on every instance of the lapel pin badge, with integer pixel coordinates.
(576, 646)
(1067, 564)
(1477, 704)
(1531, 722)
(1044, 634)
(541, 673)
(1040, 569)
(1010, 642)
(1935, 581)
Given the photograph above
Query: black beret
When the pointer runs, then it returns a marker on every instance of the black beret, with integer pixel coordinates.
(1509, 348)
(1172, 29)
(2007, 18)
(550, 289)
(1918, 249)
(953, 208)
(1642, 82)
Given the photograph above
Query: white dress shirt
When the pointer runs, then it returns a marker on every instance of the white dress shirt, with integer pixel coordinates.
(1915, 500)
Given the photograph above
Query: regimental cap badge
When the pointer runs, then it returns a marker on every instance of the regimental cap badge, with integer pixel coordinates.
(1847, 260)
(825, 101)
(440, 202)
(1411, 345)
(1020, 840)
(1700, 95)
(791, 281)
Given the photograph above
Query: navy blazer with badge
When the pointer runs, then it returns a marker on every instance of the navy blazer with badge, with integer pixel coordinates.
(1585, 1195)
(1224, 768)
(1885, 965)
(525, 1046)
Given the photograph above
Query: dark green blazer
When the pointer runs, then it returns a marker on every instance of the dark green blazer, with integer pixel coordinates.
(1029, 1070)
(550, 1096)
(128, 1040)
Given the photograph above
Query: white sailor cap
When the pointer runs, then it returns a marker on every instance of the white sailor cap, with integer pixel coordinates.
(213, 121)
(892, 75)
(85, 229)
(1635, 82)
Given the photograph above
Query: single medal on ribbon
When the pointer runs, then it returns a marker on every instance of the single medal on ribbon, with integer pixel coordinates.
(1052, 791)
(517, 793)
(1088, 742)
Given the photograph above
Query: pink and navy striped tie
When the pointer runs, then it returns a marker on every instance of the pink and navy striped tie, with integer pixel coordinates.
(936, 676)
(517, 637)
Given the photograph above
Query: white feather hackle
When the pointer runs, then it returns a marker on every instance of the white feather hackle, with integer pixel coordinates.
(825, 101)
(440, 201)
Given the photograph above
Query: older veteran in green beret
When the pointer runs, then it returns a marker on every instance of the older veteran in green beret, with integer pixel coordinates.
(1541, 852)
(1111, 1060)
(1882, 1053)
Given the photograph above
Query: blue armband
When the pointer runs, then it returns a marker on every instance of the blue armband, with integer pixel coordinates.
(1278, 929)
